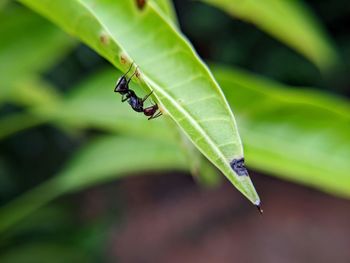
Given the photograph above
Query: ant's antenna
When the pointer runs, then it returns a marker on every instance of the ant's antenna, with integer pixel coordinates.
(129, 69)
(133, 73)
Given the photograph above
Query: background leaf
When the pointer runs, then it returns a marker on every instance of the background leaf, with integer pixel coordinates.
(289, 21)
(3, 3)
(31, 92)
(30, 45)
(299, 135)
(103, 160)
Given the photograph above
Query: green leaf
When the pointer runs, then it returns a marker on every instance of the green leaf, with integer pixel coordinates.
(101, 161)
(27, 50)
(168, 65)
(53, 219)
(3, 3)
(290, 22)
(167, 7)
(112, 157)
(17, 122)
(31, 92)
(298, 135)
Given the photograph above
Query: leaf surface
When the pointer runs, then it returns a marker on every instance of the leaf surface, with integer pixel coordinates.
(167, 7)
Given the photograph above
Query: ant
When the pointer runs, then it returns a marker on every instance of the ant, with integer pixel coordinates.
(134, 101)
(122, 85)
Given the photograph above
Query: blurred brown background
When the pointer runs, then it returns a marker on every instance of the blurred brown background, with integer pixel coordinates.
(168, 218)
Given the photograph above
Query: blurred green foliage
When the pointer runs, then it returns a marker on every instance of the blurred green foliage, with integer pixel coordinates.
(299, 135)
(25, 32)
(289, 21)
(295, 133)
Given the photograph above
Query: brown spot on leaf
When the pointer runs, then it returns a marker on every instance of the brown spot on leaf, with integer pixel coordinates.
(123, 59)
(138, 73)
(104, 39)
(141, 4)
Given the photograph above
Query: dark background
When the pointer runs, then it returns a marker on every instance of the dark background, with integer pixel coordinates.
(167, 217)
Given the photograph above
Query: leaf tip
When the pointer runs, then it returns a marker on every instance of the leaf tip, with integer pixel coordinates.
(258, 206)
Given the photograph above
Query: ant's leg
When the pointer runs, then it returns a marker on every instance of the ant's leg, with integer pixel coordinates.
(145, 98)
(133, 74)
(158, 115)
(127, 71)
(127, 96)
(155, 116)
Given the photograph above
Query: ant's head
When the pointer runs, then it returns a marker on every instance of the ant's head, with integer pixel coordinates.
(122, 85)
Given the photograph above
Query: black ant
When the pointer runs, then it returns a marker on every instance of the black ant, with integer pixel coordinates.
(122, 85)
(135, 102)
